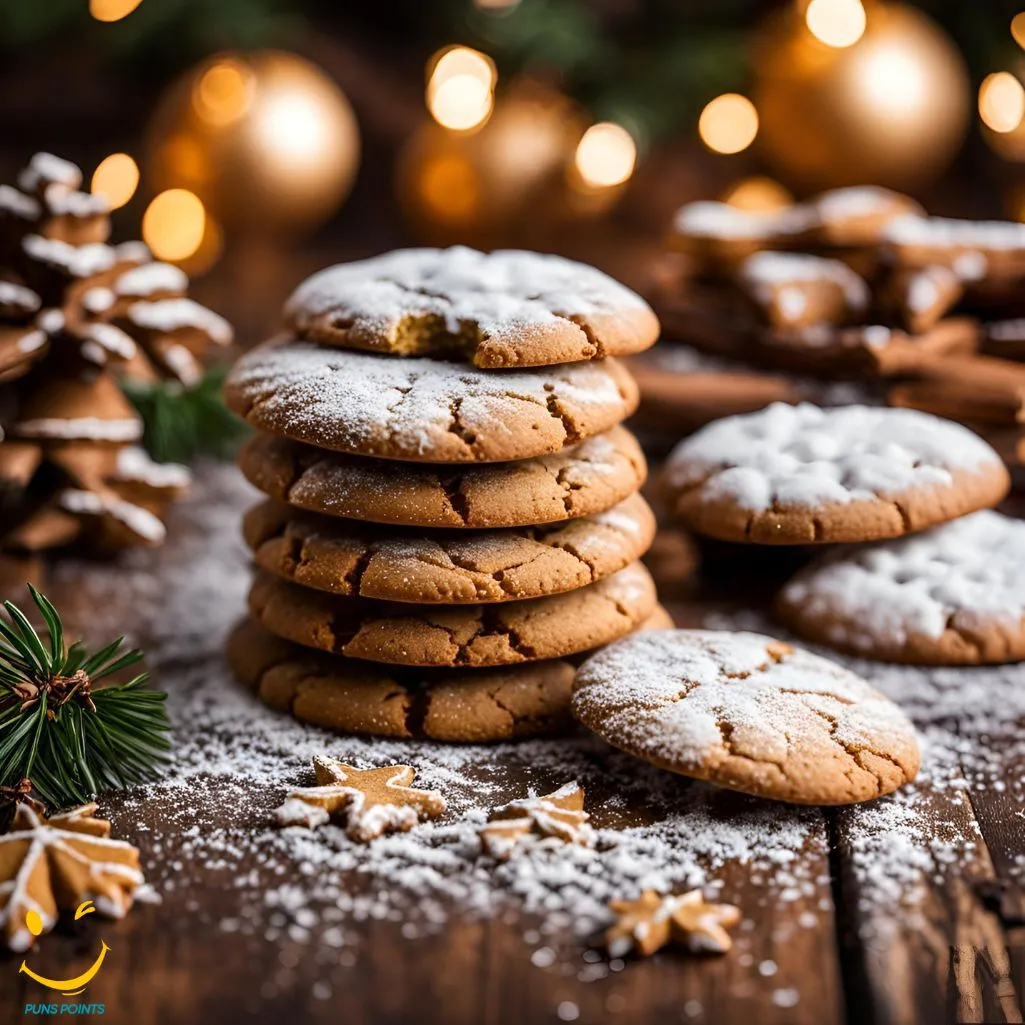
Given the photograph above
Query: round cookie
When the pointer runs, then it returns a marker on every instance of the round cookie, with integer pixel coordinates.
(954, 595)
(425, 410)
(450, 705)
(462, 635)
(453, 567)
(805, 475)
(589, 478)
(747, 712)
(502, 309)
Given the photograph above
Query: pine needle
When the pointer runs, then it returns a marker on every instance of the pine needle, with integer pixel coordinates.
(69, 740)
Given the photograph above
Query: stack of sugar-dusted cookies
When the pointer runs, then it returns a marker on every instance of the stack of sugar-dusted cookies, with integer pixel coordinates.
(452, 512)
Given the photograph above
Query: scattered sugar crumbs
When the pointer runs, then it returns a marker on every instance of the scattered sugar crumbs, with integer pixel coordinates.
(207, 823)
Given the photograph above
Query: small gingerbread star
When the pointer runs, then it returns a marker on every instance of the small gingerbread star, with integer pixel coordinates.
(557, 818)
(369, 801)
(650, 922)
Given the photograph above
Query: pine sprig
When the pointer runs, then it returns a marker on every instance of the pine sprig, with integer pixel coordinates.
(181, 423)
(69, 738)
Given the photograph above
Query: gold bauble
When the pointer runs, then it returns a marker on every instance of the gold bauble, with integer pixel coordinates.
(266, 140)
(497, 185)
(892, 109)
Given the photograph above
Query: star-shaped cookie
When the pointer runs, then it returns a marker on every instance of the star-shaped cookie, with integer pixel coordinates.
(369, 802)
(654, 919)
(556, 818)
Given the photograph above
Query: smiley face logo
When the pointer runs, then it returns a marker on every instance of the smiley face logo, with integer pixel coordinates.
(69, 987)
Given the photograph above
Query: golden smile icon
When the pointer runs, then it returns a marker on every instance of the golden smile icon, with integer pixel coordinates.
(69, 987)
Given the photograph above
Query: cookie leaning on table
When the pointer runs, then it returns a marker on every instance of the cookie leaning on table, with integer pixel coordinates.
(747, 712)
(508, 308)
(586, 479)
(446, 567)
(425, 410)
(805, 475)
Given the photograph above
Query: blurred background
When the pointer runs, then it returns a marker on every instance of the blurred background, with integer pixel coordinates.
(252, 141)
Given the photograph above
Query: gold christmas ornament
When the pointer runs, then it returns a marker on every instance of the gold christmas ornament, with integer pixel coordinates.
(266, 141)
(891, 109)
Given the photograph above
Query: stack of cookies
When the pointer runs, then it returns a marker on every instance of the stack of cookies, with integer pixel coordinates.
(452, 512)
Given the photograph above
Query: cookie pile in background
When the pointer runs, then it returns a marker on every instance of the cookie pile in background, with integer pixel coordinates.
(452, 511)
(77, 315)
(857, 284)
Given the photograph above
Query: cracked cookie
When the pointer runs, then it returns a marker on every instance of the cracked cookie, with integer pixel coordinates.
(425, 410)
(589, 478)
(450, 705)
(954, 595)
(450, 567)
(747, 712)
(805, 475)
(502, 309)
(462, 635)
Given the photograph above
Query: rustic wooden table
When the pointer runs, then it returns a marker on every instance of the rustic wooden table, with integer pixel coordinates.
(919, 923)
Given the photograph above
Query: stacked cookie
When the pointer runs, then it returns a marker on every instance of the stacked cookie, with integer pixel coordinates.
(949, 592)
(452, 511)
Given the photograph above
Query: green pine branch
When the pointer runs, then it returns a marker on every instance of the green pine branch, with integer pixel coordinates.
(62, 738)
(182, 423)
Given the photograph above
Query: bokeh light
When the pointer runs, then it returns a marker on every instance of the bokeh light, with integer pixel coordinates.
(112, 10)
(1018, 29)
(1001, 102)
(606, 155)
(837, 23)
(758, 194)
(496, 6)
(893, 81)
(728, 124)
(116, 178)
(461, 88)
(174, 224)
(224, 93)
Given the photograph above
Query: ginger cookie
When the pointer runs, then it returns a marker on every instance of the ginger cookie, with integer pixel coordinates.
(531, 822)
(502, 309)
(806, 475)
(749, 713)
(462, 635)
(647, 924)
(856, 216)
(470, 706)
(425, 410)
(589, 478)
(369, 802)
(954, 595)
(452, 567)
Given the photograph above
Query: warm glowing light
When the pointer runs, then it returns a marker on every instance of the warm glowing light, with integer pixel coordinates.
(174, 224)
(838, 23)
(224, 93)
(761, 195)
(112, 10)
(606, 155)
(894, 80)
(1018, 29)
(1001, 102)
(208, 251)
(461, 88)
(117, 178)
(291, 126)
(728, 124)
(449, 188)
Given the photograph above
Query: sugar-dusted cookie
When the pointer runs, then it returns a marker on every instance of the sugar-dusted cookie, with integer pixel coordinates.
(952, 595)
(589, 478)
(503, 309)
(446, 567)
(805, 475)
(425, 410)
(451, 705)
(749, 713)
(458, 635)
(973, 249)
(856, 216)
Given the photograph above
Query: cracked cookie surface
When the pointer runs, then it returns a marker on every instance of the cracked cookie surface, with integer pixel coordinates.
(806, 475)
(747, 712)
(953, 595)
(446, 567)
(586, 479)
(450, 705)
(457, 635)
(425, 410)
(503, 309)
